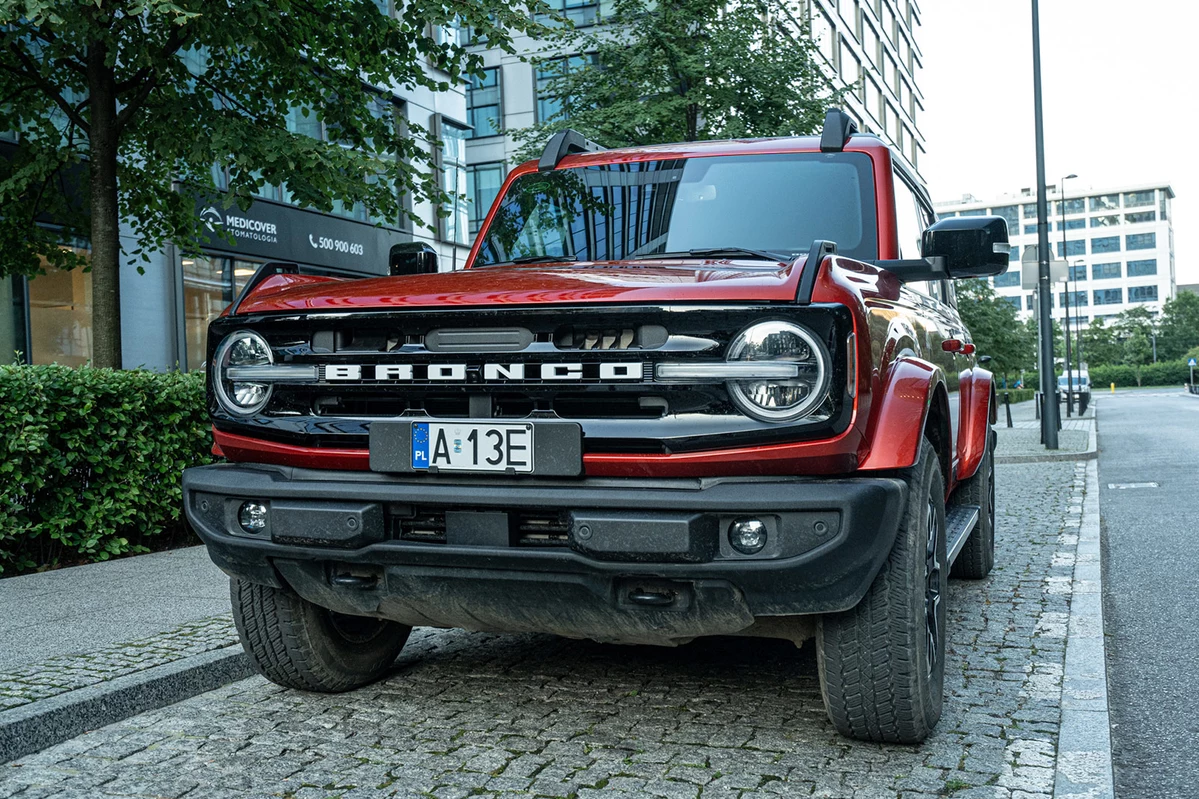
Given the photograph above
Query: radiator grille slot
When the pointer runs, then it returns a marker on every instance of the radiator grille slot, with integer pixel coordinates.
(425, 525)
(540, 529)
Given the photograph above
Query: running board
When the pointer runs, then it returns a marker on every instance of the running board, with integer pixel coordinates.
(959, 524)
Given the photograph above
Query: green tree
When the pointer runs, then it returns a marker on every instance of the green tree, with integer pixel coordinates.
(117, 101)
(1134, 330)
(995, 329)
(685, 70)
(1178, 328)
(1099, 346)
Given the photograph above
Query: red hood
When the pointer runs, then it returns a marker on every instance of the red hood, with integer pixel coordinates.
(645, 282)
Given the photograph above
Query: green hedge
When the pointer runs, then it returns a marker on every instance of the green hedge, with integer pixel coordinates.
(1015, 394)
(92, 460)
(1162, 373)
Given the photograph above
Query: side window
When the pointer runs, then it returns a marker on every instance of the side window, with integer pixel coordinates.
(909, 227)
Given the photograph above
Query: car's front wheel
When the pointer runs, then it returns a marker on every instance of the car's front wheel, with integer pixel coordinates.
(297, 644)
(882, 664)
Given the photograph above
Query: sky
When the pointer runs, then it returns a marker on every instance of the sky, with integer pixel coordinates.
(1121, 103)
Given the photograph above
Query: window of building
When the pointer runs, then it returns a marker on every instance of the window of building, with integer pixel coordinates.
(1030, 229)
(1140, 241)
(549, 106)
(1142, 268)
(1105, 271)
(1075, 206)
(1106, 202)
(1008, 279)
(974, 212)
(1106, 244)
(1109, 296)
(1013, 254)
(1071, 248)
(1013, 301)
(851, 67)
(1078, 272)
(484, 104)
(1076, 299)
(580, 12)
(455, 226)
(1030, 210)
(849, 13)
(1030, 301)
(450, 34)
(1105, 221)
(209, 286)
(1142, 293)
(1140, 216)
(60, 318)
(1072, 224)
(1136, 199)
(482, 185)
(1164, 200)
(826, 39)
(1010, 214)
(870, 42)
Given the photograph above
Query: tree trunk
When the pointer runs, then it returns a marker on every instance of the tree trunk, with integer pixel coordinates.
(105, 218)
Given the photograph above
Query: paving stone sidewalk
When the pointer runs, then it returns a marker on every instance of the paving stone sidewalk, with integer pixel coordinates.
(65, 673)
(526, 715)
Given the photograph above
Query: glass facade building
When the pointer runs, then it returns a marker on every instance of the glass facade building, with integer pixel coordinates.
(1118, 243)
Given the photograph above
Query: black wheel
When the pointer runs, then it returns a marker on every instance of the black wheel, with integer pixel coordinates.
(882, 664)
(977, 557)
(295, 643)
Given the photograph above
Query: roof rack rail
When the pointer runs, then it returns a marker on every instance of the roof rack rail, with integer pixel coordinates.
(838, 127)
(562, 144)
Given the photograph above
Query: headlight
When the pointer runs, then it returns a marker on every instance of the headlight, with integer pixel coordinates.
(772, 399)
(241, 349)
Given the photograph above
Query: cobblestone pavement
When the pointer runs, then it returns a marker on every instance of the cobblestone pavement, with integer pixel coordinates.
(70, 672)
(524, 715)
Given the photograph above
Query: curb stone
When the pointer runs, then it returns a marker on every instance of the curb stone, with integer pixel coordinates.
(1084, 753)
(30, 728)
(1089, 454)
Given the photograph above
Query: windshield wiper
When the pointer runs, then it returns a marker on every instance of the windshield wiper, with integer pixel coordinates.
(711, 252)
(535, 259)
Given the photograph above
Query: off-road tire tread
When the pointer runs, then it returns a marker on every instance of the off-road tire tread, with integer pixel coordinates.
(278, 635)
(977, 557)
(868, 657)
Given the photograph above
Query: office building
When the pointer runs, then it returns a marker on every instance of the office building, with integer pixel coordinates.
(867, 44)
(1118, 243)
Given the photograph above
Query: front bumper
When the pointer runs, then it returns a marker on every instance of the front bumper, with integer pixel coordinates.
(630, 560)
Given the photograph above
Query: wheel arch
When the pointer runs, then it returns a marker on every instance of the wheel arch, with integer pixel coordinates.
(979, 411)
(915, 401)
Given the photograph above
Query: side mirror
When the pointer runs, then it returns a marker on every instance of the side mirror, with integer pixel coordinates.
(984, 359)
(412, 258)
(972, 246)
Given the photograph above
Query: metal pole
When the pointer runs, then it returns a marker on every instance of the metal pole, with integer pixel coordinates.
(1049, 419)
(1069, 372)
(1078, 325)
(1153, 334)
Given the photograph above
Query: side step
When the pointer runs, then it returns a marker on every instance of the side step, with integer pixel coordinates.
(959, 524)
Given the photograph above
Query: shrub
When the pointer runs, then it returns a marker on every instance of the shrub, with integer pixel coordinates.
(1015, 395)
(92, 460)
(1162, 373)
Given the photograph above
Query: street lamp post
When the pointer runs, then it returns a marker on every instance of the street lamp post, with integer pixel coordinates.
(1049, 415)
(1069, 373)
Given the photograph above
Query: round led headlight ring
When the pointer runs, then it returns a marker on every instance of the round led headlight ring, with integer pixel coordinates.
(779, 399)
(243, 348)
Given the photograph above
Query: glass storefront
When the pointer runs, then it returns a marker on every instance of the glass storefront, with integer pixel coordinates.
(210, 284)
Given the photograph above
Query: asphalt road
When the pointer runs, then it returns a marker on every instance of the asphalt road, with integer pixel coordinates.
(1151, 589)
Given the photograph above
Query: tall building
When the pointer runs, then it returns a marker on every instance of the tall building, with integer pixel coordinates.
(867, 44)
(165, 311)
(1118, 243)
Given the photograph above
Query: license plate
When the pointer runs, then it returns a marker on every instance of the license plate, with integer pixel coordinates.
(467, 447)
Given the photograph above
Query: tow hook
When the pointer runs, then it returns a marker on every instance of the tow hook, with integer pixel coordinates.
(359, 581)
(641, 596)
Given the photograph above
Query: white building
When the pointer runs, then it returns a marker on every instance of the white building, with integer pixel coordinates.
(1118, 242)
(869, 44)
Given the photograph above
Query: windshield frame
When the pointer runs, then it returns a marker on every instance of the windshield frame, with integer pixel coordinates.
(873, 224)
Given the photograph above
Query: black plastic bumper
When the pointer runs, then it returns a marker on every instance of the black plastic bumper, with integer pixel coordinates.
(612, 559)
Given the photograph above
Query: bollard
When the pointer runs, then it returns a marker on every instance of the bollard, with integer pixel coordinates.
(1113, 388)
(1007, 404)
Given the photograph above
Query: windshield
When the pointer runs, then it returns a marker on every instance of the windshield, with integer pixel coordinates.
(776, 203)
(1079, 380)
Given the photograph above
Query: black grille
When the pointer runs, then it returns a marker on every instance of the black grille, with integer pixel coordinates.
(525, 528)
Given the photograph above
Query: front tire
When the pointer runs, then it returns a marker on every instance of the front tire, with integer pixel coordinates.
(882, 664)
(297, 644)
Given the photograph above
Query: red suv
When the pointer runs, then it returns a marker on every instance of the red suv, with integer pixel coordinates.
(713, 388)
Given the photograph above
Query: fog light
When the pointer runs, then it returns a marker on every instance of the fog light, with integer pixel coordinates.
(252, 517)
(747, 536)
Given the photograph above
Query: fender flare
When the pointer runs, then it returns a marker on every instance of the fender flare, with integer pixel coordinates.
(979, 412)
(914, 389)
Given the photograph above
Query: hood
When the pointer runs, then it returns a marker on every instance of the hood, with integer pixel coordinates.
(660, 282)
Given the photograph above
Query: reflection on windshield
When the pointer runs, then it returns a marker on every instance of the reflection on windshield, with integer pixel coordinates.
(777, 203)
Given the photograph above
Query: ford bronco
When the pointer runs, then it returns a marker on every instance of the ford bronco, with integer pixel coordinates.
(712, 388)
